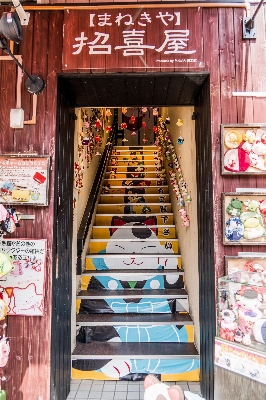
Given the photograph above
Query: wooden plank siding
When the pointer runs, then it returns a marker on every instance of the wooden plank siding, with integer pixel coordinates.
(234, 65)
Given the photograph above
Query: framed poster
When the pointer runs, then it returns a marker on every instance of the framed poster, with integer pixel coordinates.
(244, 218)
(237, 358)
(24, 179)
(243, 149)
(249, 263)
(23, 288)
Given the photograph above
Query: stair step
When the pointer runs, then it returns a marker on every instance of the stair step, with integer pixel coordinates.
(152, 246)
(134, 294)
(144, 262)
(135, 148)
(139, 231)
(142, 182)
(133, 319)
(135, 175)
(105, 350)
(135, 271)
(108, 189)
(108, 219)
(140, 208)
(135, 198)
(131, 168)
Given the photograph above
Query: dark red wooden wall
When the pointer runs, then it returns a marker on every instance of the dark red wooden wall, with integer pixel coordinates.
(234, 65)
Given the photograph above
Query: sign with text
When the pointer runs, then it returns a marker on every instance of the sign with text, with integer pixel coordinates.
(241, 360)
(142, 39)
(24, 179)
(23, 288)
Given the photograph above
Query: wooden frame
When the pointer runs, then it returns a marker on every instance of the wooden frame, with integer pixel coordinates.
(24, 179)
(244, 218)
(243, 149)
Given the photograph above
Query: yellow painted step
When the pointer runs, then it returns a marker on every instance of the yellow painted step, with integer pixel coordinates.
(109, 219)
(143, 208)
(134, 198)
(108, 189)
(128, 182)
(106, 232)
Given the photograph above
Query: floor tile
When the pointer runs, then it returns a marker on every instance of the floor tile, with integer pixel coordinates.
(71, 394)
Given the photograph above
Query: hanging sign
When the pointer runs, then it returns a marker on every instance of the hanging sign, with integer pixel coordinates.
(126, 39)
(24, 179)
(23, 287)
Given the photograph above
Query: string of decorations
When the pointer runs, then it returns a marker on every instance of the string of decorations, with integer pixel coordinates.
(177, 180)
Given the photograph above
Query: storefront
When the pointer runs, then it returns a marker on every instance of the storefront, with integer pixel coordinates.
(190, 56)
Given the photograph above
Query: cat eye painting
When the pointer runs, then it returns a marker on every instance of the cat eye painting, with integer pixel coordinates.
(23, 288)
(243, 149)
(244, 218)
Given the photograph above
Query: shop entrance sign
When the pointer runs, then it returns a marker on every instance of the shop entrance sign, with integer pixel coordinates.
(135, 38)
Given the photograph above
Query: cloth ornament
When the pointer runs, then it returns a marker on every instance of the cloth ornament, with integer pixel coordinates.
(4, 351)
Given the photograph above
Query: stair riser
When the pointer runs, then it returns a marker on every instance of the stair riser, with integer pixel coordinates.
(136, 208)
(107, 220)
(121, 369)
(99, 232)
(135, 198)
(148, 167)
(134, 182)
(137, 333)
(134, 189)
(131, 174)
(135, 149)
(152, 247)
(129, 263)
(120, 305)
(117, 282)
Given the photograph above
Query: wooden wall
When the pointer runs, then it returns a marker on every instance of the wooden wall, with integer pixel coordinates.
(28, 368)
(234, 65)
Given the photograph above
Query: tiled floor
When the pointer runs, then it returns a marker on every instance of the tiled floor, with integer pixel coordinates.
(116, 390)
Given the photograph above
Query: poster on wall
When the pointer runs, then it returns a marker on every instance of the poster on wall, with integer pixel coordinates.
(251, 262)
(23, 288)
(244, 218)
(24, 179)
(241, 360)
(243, 149)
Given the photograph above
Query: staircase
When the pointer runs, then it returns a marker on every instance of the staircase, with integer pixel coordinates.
(132, 310)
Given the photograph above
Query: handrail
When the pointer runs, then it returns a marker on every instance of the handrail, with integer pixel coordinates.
(92, 199)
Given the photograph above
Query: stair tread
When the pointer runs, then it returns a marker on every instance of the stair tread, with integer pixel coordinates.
(135, 204)
(134, 319)
(105, 350)
(133, 271)
(125, 255)
(130, 226)
(134, 240)
(133, 293)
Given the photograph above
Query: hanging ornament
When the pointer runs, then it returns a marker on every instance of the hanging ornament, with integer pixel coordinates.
(124, 140)
(167, 120)
(98, 154)
(3, 307)
(134, 133)
(144, 109)
(124, 110)
(144, 125)
(155, 129)
(123, 125)
(132, 119)
(155, 112)
(108, 112)
(108, 129)
(180, 122)
(180, 140)
(98, 123)
(97, 138)
(189, 198)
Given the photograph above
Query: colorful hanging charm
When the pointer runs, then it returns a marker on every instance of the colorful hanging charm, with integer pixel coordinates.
(180, 140)
(124, 110)
(179, 122)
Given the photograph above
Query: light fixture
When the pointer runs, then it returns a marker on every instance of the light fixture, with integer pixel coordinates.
(10, 27)
(248, 24)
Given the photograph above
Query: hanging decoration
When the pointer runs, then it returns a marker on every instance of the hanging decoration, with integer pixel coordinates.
(123, 125)
(180, 140)
(176, 177)
(124, 110)
(144, 126)
(179, 122)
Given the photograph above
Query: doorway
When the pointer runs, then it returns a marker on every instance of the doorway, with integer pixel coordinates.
(170, 89)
